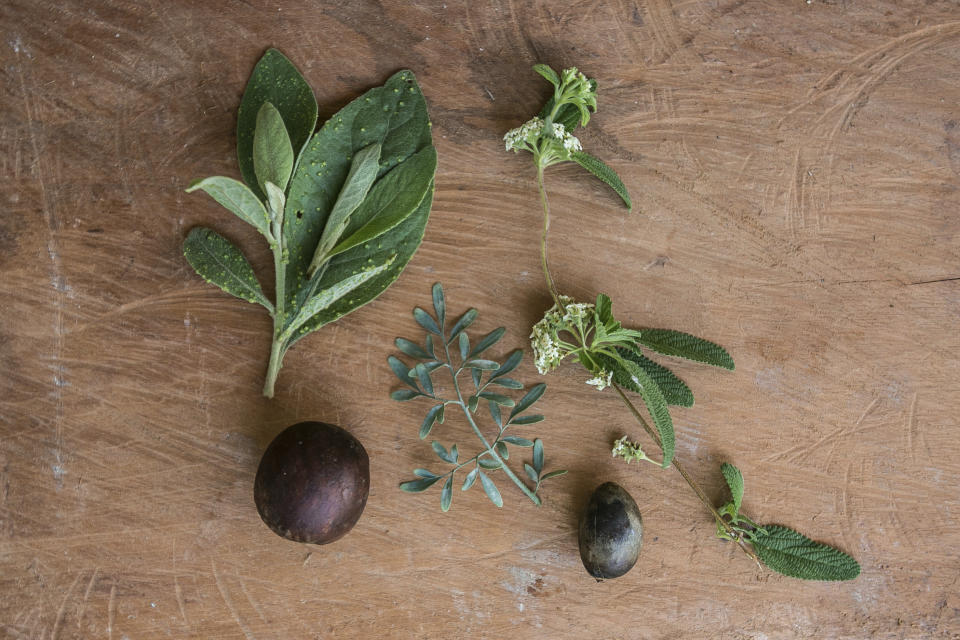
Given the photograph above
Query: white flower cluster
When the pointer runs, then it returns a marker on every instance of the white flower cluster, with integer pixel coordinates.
(524, 136)
(547, 348)
(602, 380)
(568, 140)
(629, 451)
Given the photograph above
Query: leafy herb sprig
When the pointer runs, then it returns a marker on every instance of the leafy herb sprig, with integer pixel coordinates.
(343, 209)
(614, 356)
(451, 351)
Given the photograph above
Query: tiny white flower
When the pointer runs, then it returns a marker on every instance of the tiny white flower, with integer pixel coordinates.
(602, 380)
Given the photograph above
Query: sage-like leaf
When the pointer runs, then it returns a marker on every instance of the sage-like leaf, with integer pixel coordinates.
(793, 554)
(684, 345)
(277, 81)
(363, 171)
(272, 153)
(735, 481)
(219, 262)
(491, 490)
(598, 168)
(276, 201)
(238, 199)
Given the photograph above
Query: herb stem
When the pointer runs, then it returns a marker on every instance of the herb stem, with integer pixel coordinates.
(693, 485)
(543, 237)
(278, 348)
(466, 411)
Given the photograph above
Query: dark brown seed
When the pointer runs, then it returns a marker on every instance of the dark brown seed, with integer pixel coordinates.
(611, 532)
(312, 483)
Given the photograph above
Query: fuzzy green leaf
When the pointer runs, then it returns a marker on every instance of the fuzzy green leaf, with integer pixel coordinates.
(656, 405)
(395, 117)
(735, 481)
(675, 391)
(598, 168)
(272, 153)
(220, 262)
(446, 496)
(547, 73)
(238, 198)
(568, 115)
(430, 420)
(684, 345)
(277, 81)
(491, 490)
(487, 341)
(527, 401)
(462, 323)
(793, 554)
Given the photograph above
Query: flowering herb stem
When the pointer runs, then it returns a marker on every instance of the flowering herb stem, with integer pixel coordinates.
(543, 238)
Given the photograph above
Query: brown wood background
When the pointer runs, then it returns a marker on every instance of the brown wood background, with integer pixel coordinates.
(796, 164)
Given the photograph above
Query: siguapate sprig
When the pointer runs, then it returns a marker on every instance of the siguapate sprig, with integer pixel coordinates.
(451, 351)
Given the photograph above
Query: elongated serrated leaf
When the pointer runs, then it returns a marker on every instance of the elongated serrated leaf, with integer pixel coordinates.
(402, 395)
(598, 168)
(364, 168)
(277, 81)
(483, 365)
(416, 486)
(272, 153)
(424, 377)
(395, 116)
(491, 490)
(220, 262)
(684, 345)
(793, 554)
(238, 198)
(430, 420)
(487, 341)
(547, 73)
(656, 405)
(536, 392)
(462, 323)
(412, 349)
(675, 391)
(502, 400)
(528, 419)
(518, 441)
(511, 363)
(424, 473)
(401, 371)
(329, 295)
(425, 320)
(508, 383)
(538, 455)
(735, 481)
(446, 496)
(470, 479)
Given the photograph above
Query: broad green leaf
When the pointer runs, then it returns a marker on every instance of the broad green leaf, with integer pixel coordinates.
(394, 116)
(487, 341)
(598, 168)
(684, 345)
(604, 308)
(446, 496)
(272, 153)
(462, 323)
(412, 349)
(511, 363)
(656, 405)
(238, 198)
(439, 304)
(330, 295)
(527, 401)
(538, 455)
(518, 441)
(675, 391)
(793, 554)
(416, 486)
(276, 200)
(425, 320)
(735, 481)
(400, 370)
(277, 81)
(392, 199)
(502, 400)
(547, 73)
(220, 262)
(491, 490)
(430, 420)
(470, 479)
(363, 171)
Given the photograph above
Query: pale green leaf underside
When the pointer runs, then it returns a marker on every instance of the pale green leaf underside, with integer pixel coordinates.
(331, 294)
(272, 153)
(598, 168)
(219, 262)
(657, 405)
(684, 345)
(675, 391)
(735, 481)
(793, 554)
(277, 81)
(238, 198)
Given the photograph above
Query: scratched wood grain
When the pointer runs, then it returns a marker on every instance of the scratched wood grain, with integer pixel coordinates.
(795, 166)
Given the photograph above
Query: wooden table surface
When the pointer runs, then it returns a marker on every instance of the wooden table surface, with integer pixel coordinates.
(794, 167)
